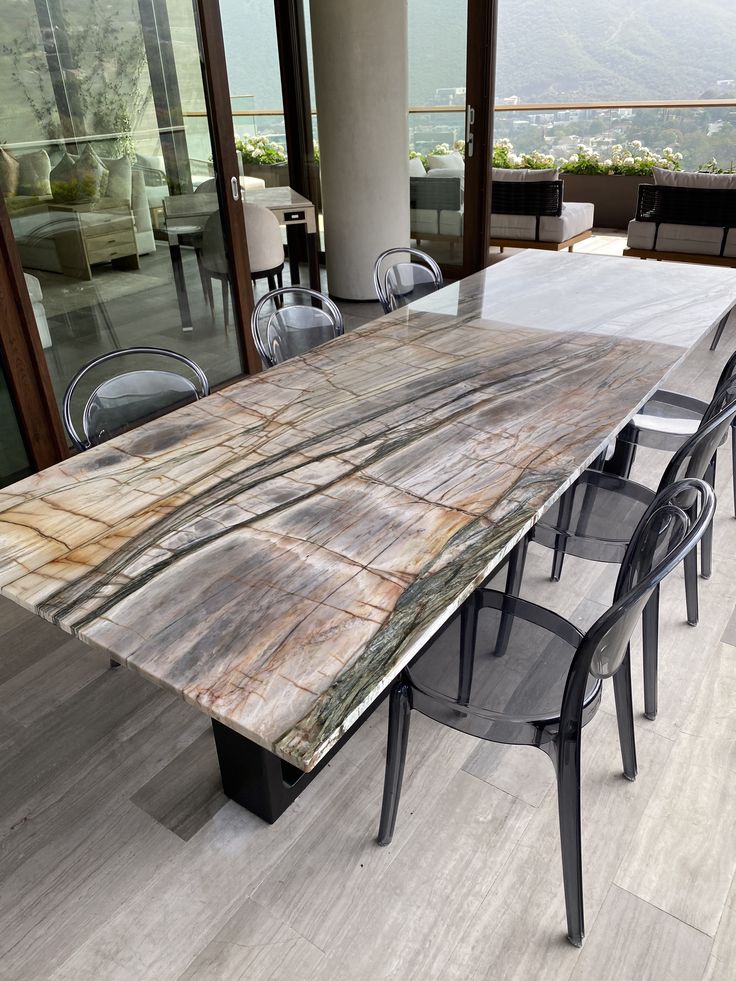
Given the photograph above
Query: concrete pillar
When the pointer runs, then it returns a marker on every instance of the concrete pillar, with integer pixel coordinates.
(362, 90)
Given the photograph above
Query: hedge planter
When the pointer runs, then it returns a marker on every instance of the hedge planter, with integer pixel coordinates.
(614, 197)
(275, 175)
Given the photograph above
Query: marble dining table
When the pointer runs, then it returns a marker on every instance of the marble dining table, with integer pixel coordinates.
(276, 553)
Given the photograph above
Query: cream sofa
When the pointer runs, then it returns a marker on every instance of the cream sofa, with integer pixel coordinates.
(685, 215)
(543, 221)
(39, 311)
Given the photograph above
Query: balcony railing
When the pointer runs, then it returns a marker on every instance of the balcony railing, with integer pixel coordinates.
(699, 128)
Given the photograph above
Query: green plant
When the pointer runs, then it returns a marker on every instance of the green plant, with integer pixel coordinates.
(106, 76)
(629, 159)
(260, 150)
(505, 158)
(442, 149)
(712, 167)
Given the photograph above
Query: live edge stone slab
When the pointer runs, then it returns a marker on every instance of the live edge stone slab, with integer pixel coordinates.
(277, 552)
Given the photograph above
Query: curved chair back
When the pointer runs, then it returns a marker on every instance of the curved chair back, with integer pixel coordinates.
(131, 397)
(694, 457)
(293, 330)
(400, 282)
(263, 232)
(208, 186)
(662, 539)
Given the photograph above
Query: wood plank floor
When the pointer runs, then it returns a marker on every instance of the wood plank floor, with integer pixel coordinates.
(121, 860)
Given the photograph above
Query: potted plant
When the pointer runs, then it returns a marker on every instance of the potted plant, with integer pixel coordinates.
(265, 159)
(612, 184)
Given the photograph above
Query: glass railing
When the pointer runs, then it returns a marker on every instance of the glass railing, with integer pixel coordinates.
(698, 129)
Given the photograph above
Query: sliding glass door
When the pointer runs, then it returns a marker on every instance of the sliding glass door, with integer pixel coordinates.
(107, 169)
(451, 46)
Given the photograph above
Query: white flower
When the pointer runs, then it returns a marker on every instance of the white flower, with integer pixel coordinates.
(608, 163)
(628, 161)
(616, 148)
(573, 158)
(678, 156)
(667, 151)
(636, 144)
(258, 152)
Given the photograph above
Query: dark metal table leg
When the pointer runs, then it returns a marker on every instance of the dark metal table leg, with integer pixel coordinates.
(260, 781)
(294, 239)
(181, 286)
(315, 279)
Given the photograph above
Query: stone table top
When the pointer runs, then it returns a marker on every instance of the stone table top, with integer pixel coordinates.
(278, 551)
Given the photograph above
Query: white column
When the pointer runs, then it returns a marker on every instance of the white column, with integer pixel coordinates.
(362, 90)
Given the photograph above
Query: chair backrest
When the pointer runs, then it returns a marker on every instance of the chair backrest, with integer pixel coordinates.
(131, 397)
(693, 458)
(400, 282)
(662, 539)
(265, 245)
(292, 330)
(207, 187)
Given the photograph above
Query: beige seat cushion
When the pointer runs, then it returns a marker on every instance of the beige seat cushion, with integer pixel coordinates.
(513, 226)
(698, 239)
(730, 249)
(9, 173)
(424, 220)
(576, 218)
(416, 167)
(33, 178)
(641, 235)
(451, 223)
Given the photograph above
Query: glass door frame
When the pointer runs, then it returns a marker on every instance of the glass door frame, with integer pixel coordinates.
(482, 29)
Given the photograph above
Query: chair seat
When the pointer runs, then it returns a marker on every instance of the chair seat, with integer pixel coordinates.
(597, 516)
(667, 420)
(509, 693)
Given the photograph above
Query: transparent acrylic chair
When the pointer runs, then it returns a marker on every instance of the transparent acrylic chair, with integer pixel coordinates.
(547, 685)
(400, 282)
(595, 518)
(292, 329)
(131, 396)
(666, 421)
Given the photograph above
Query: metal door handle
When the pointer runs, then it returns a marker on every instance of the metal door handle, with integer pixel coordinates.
(235, 188)
(470, 122)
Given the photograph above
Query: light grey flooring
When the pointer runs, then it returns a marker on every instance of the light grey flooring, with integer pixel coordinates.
(121, 860)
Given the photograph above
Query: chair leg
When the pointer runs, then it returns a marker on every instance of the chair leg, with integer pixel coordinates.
(625, 716)
(468, 636)
(650, 647)
(719, 330)
(706, 543)
(514, 577)
(624, 453)
(398, 735)
(691, 586)
(568, 803)
(209, 296)
(561, 539)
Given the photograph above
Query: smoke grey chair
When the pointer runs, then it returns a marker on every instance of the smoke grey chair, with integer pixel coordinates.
(547, 685)
(400, 282)
(133, 396)
(292, 329)
(595, 518)
(666, 421)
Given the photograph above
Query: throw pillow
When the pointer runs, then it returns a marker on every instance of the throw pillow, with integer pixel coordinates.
(33, 178)
(119, 180)
(522, 174)
(416, 167)
(687, 178)
(63, 181)
(446, 161)
(9, 171)
(91, 175)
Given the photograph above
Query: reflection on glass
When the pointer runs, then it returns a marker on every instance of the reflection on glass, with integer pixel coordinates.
(437, 56)
(101, 171)
(14, 462)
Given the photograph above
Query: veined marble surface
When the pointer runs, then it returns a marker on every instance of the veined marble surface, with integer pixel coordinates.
(278, 551)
